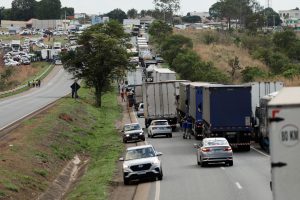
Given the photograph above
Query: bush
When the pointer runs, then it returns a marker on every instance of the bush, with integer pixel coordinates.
(210, 37)
(278, 62)
(251, 73)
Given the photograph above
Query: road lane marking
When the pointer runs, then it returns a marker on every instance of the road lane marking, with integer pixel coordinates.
(260, 152)
(223, 168)
(157, 190)
(238, 185)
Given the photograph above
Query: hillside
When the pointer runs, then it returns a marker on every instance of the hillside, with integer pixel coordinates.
(219, 48)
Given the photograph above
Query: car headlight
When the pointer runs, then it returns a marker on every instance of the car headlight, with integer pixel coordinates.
(125, 167)
(156, 162)
(141, 133)
(127, 135)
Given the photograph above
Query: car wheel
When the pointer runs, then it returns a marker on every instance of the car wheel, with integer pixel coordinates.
(171, 135)
(143, 139)
(199, 163)
(124, 141)
(230, 163)
(203, 164)
(126, 181)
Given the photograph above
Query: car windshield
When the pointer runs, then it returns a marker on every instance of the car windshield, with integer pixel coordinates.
(132, 127)
(160, 123)
(215, 143)
(140, 153)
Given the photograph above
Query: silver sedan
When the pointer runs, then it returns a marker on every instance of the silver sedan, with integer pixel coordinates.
(214, 150)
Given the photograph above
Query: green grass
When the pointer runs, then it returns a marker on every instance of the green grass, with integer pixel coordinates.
(2, 194)
(41, 172)
(10, 186)
(69, 128)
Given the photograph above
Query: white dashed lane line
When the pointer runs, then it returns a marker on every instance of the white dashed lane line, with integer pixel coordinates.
(238, 185)
(258, 151)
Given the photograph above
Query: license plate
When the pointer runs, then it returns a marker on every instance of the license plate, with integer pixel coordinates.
(217, 150)
(162, 128)
(141, 173)
(134, 137)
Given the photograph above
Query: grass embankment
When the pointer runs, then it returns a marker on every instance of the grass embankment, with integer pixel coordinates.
(43, 145)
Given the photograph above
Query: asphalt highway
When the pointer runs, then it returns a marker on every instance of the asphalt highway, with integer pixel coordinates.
(17, 107)
(248, 179)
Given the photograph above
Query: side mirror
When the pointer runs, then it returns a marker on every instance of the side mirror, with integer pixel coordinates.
(121, 159)
(159, 153)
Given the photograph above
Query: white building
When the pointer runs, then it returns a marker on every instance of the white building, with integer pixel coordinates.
(289, 14)
(200, 14)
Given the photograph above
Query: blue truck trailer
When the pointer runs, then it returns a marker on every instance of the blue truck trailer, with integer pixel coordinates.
(195, 100)
(227, 110)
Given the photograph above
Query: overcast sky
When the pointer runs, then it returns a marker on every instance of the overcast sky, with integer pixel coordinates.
(104, 6)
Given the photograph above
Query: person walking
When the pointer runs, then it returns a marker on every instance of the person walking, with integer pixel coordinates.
(122, 95)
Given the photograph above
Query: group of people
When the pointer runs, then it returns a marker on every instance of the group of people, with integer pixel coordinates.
(34, 83)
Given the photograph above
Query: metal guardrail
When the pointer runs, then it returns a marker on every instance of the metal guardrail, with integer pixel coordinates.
(25, 85)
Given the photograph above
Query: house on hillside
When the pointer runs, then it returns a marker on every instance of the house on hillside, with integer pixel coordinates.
(289, 14)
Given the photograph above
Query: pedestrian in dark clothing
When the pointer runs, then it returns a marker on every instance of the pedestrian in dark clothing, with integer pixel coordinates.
(33, 83)
(75, 87)
(38, 83)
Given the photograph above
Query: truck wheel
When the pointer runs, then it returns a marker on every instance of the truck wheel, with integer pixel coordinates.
(160, 177)
(230, 163)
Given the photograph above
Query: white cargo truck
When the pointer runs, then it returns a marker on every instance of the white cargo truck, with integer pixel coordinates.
(284, 125)
(163, 74)
(261, 89)
(135, 76)
(160, 101)
(259, 93)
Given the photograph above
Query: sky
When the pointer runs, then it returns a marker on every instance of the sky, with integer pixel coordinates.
(104, 6)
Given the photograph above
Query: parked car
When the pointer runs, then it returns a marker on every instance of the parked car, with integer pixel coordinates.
(140, 111)
(58, 62)
(133, 132)
(141, 162)
(159, 127)
(214, 150)
(25, 61)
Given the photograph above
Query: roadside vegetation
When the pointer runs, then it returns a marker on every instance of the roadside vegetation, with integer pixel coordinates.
(229, 56)
(40, 147)
(12, 77)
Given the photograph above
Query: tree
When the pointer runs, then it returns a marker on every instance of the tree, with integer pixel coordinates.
(132, 13)
(191, 19)
(238, 10)
(66, 11)
(251, 73)
(1, 15)
(271, 17)
(284, 40)
(49, 9)
(184, 64)
(6, 14)
(101, 57)
(159, 30)
(117, 14)
(234, 65)
(168, 7)
(173, 45)
(23, 9)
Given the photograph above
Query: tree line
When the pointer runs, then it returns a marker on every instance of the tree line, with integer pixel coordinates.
(178, 52)
(24, 10)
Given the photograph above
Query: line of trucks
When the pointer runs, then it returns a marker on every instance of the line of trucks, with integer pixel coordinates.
(236, 112)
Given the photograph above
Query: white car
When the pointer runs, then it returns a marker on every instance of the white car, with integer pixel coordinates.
(140, 111)
(159, 127)
(141, 162)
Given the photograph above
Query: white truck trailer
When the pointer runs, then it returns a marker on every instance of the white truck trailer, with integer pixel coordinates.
(163, 74)
(284, 126)
(135, 76)
(160, 101)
